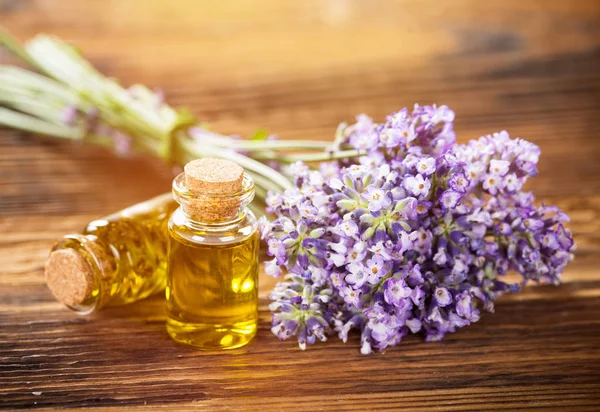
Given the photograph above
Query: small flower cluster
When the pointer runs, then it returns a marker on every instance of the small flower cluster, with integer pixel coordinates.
(416, 237)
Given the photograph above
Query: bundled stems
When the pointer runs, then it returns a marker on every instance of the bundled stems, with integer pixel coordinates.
(69, 99)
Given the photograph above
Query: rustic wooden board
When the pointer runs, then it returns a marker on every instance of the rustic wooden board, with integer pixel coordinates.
(299, 68)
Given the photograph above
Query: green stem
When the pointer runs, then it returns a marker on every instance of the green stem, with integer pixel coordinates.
(140, 116)
(135, 111)
(311, 157)
(339, 135)
(33, 107)
(260, 192)
(22, 121)
(256, 210)
(12, 44)
(261, 182)
(247, 163)
(257, 145)
(66, 65)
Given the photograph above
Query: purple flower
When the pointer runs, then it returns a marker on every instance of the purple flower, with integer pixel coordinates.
(421, 239)
(377, 199)
(390, 137)
(272, 268)
(307, 210)
(423, 207)
(382, 249)
(564, 237)
(376, 269)
(550, 241)
(475, 171)
(356, 171)
(417, 185)
(336, 259)
(358, 252)
(414, 325)
(450, 199)
(499, 167)
(69, 115)
(404, 243)
(350, 295)
(396, 292)
(511, 182)
(426, 166)
(414, 237)
(441, 257)
(357, 276)
(418, 296)
(459, 182)
(435, 315)
(277, 249)
(285, 329)
(442, 296)
(348, 228)
(464, 306)
(492, 183)
(343, 328)
(122, 143)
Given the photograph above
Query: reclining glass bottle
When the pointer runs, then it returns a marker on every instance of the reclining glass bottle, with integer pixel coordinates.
(117, 259)
(212, 290)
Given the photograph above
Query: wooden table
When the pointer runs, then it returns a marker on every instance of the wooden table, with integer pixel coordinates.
(299, 68)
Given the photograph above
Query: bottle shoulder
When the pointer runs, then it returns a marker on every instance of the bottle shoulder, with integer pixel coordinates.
(185, 230)
(141, 217)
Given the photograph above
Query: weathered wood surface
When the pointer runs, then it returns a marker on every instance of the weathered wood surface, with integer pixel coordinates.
(299, 68)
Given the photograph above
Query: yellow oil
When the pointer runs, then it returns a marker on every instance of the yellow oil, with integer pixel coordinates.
(139, 237)
(212, 289)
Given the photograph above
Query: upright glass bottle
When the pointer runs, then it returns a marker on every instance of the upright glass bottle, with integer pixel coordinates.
(116, 260)
(212, 279)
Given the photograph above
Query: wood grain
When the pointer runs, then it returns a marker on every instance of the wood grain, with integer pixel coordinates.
(298, 69)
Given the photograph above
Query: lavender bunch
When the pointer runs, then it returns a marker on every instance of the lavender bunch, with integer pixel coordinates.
(66, 97)
(416, 237)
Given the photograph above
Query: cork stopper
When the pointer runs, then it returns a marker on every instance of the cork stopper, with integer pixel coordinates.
(69, 277)
(213, 176)
(213, 181)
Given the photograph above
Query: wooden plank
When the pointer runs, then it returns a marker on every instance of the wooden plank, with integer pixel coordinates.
(298, 69)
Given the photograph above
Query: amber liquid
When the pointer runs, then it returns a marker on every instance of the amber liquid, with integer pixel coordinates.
(212, 288)
(139, 235)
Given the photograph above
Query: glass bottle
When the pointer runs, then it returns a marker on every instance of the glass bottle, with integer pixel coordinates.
(212, 278)
(117, 259)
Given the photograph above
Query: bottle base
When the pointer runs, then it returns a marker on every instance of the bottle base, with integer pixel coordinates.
(208, 337)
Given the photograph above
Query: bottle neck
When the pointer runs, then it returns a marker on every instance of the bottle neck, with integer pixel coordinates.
(213, 210)
(80, 272)
(196, 220)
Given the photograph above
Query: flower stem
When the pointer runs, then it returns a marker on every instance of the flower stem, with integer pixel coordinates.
(310, 157)
(22, 121)
(12, 44)
(247, 163)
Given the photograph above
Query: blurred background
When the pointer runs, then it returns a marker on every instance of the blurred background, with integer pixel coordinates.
(300, 68)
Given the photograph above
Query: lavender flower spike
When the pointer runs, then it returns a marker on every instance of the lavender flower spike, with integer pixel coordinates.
(415, 238)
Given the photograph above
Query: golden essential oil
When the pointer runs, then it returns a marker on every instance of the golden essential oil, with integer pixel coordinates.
(212, 295)
(116, 260)
(138, 235)
(212, 281)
